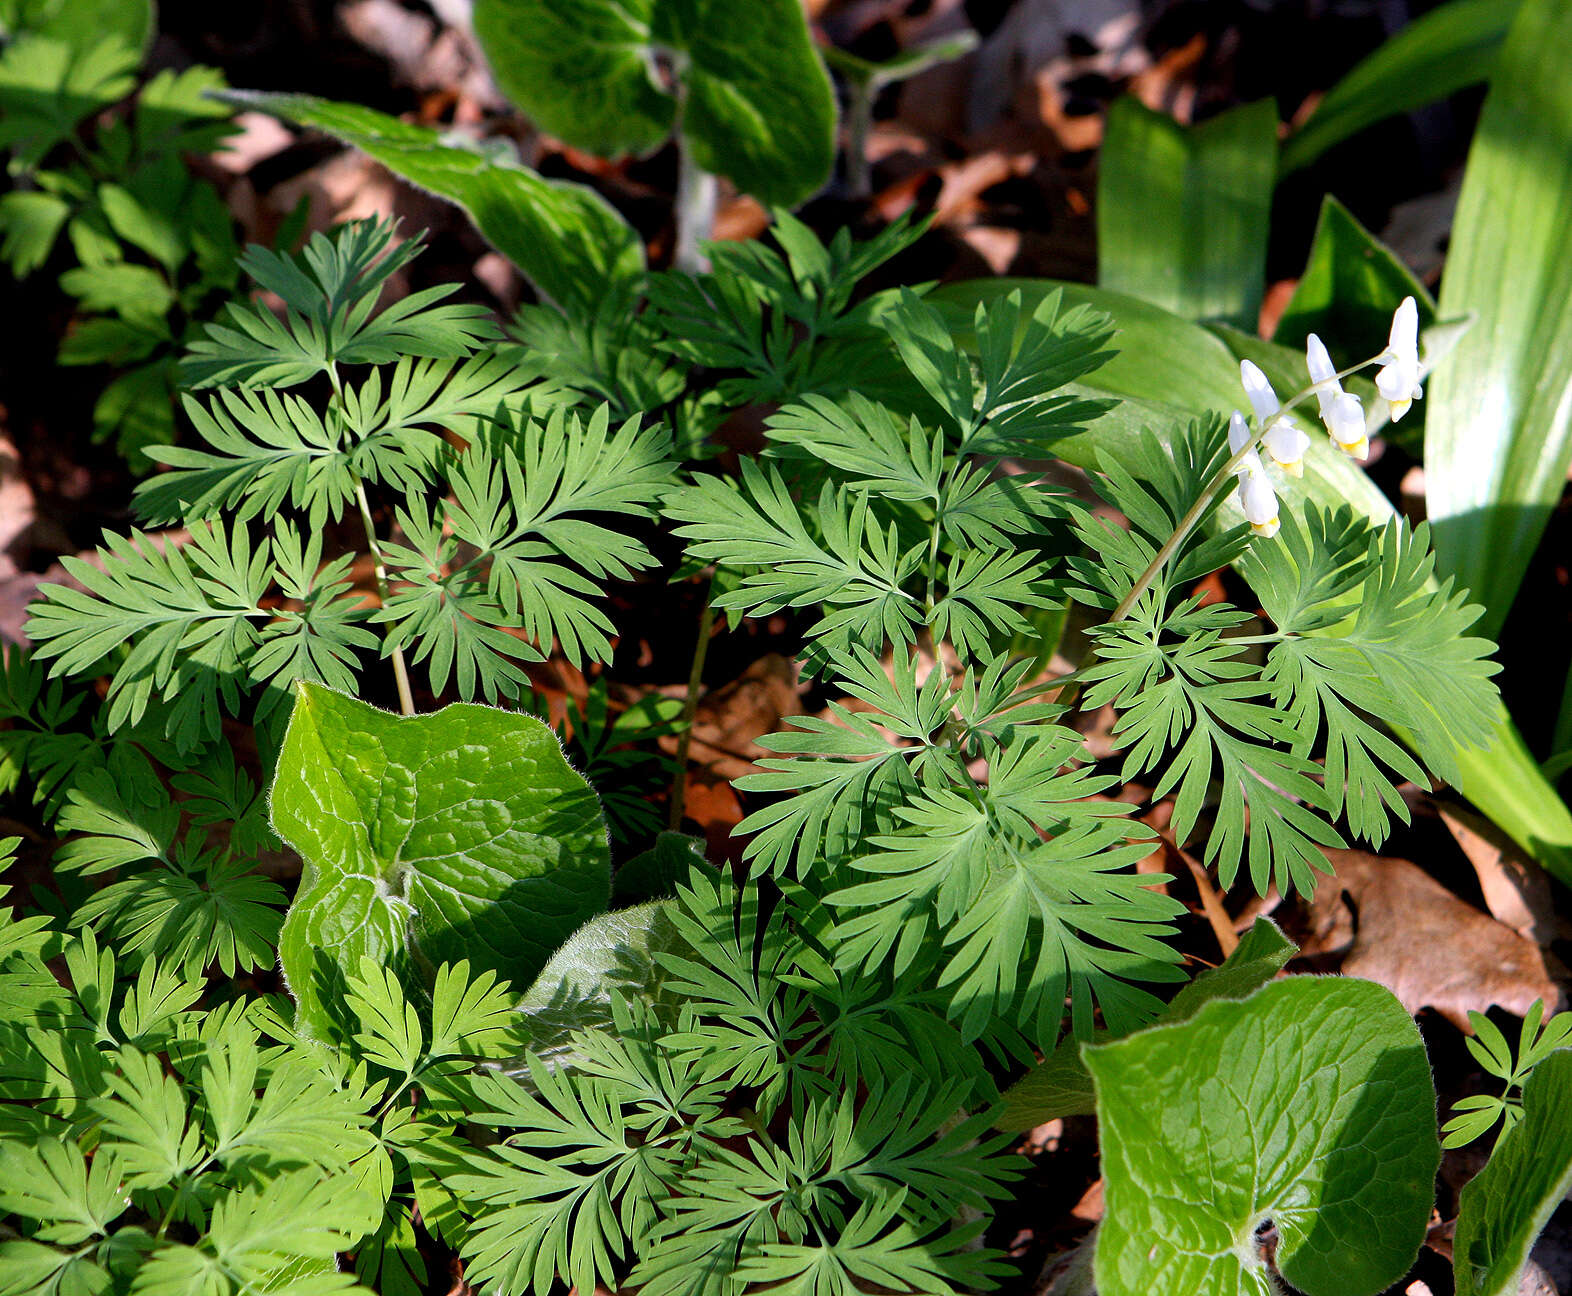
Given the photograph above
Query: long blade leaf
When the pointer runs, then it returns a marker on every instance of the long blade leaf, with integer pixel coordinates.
(1498, 433)
(1183, 213)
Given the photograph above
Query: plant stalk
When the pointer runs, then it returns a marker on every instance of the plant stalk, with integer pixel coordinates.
(406, 701)
(697, 195)
(690, 709)
(1209, 493)
(859, 125)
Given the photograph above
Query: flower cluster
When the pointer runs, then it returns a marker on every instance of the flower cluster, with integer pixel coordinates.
(1285, 441)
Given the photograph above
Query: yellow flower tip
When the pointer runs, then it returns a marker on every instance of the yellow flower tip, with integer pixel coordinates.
(1359, 449)
(1266, 529)
(1295, 469)
(1399, 408)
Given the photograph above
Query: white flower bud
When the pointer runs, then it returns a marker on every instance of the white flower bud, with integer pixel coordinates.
(1323, 373)
(1346, 422)
(1258, 502)
(1255, 497)
(1285, 441)
(1398, 380)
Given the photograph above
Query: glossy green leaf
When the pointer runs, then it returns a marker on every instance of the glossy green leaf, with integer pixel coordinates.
(1503, 1208)
(1447, 49)
(1306, 1111)
(1062, 1086)
(565, 238)
(1352, 282)
(429, 839)
(612, 952)
(756, 104)
(1498, 430)
(1169, 371)
(1183, 212)
(656, 873)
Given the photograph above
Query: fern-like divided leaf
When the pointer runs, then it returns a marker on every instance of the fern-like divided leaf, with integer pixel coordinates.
(1361, 644)
(654, 1158)
(1016, 888)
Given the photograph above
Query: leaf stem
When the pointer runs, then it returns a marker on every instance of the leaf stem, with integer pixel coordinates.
(406, 702)
(1209, 492)
(690, 709)
(697, 194)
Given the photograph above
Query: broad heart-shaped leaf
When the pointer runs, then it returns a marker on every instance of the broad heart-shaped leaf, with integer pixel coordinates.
(1168, 371)
(1308, 1105)
(1498, 431)
(612, 952)
(1062, 1086)
(429, 839)
(756, 104)
(1452, 46)
(1183, 212)
(564, 237)
(1505, 1205)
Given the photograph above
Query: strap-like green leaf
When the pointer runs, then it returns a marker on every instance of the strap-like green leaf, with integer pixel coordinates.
(1451, 47)
(1182, 214)
(1498, 433)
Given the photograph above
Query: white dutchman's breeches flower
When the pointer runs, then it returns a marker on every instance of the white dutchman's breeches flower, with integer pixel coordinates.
(1285, 441)
(1341, 411)
(1255, 496)
(1398, 380)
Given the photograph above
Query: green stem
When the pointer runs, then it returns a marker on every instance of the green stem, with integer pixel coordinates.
(690, 709)
(1209, 492)
(859, 125)
(406, 701)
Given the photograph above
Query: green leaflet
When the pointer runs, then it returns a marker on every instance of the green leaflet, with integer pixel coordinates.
(567, 240)
(429, 839)
(1450, 47)
(1308, 1105)
(1062, 1085)
(1503, 1208)
(1167, 371)
(1183, 213)
(1498, 433)
(755, 100)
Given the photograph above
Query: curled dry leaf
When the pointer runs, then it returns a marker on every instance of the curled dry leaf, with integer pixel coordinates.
(1516, 890)
(1403, 929)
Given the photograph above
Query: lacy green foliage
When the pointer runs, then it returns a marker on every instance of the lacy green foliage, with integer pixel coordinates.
(146, 1140)
(779, 1085)
(1475, 1116)
(1358, 632)
(1061, 1085)
(893, 526)
(153, 244)
(770, 1119)
(1295, 1133)
(152, 1137)
(767, 324)
(508, 558)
